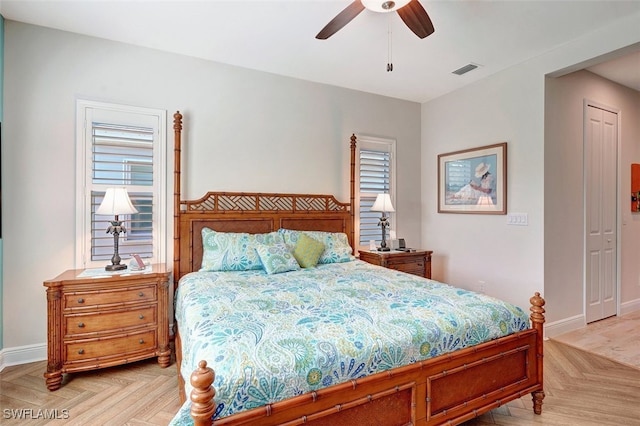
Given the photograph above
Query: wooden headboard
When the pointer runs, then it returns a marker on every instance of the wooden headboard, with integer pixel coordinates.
(250, 212)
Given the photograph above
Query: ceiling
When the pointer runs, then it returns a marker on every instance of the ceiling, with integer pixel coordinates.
(279, 37)
(624, 70)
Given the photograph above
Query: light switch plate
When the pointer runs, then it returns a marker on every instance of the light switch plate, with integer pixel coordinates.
(521, 219)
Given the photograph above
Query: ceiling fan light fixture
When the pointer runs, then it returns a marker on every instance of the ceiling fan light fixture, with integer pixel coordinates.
(410, 11)
(384, 6)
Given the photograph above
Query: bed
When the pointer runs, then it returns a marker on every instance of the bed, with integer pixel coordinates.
(347, 342)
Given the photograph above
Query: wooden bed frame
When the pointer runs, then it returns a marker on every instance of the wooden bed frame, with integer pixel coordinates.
(448, 389)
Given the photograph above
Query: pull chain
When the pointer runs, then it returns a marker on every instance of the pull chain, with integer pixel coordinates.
(389, 49)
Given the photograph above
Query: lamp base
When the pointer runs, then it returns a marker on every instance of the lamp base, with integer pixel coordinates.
(384, 249)
(118, 267)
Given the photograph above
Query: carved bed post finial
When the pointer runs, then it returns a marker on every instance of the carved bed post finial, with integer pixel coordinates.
(202, 405)
(352, 189)
(537, 310)
(177, 121)
(537, 322)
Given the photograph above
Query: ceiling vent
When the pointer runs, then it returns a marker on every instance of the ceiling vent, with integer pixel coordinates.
(465, 69)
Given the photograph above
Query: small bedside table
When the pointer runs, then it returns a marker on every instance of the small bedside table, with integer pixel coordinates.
(99, 320)
(416, 262)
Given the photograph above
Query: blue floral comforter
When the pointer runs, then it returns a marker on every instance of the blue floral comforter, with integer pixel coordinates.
(270, 337)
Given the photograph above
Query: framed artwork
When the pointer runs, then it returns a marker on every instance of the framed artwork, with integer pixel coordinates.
(473, 180)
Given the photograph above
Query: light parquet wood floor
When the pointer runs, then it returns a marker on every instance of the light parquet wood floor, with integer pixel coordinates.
(581, 389)
(140, 393)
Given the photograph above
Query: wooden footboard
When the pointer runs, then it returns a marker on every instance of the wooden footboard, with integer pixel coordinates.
(451, 388)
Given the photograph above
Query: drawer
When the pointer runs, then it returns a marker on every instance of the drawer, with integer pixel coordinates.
(411, 268)
(110, 297)
(104, 348)
(109, 321)
(412, 261)
(412, 265)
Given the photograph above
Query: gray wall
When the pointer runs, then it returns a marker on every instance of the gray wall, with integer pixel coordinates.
(510, 106)
(475, 250)
(244, 130)
(1, 180)
(564, 170)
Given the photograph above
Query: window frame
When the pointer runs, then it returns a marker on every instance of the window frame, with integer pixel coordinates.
(86, 112)
(374, 143)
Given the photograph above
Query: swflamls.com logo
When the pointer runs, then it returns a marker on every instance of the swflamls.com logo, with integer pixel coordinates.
(30, 414)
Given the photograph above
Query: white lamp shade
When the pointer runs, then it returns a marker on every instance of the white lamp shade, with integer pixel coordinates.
(384, 6)
(382, 204)
(116, 201)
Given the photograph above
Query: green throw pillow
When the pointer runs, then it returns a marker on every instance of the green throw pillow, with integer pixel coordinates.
(336, 244)
(307, 251)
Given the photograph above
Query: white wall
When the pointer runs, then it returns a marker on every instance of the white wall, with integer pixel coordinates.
(244, 130)
(508, 106)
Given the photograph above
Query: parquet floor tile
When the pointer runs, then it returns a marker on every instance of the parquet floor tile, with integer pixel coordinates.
(582, 389)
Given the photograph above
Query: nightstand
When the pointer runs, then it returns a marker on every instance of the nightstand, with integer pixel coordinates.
(416, 262)
(98, 319)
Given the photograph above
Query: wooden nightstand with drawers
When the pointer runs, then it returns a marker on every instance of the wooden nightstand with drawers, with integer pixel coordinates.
(101, 321)
(416, 262)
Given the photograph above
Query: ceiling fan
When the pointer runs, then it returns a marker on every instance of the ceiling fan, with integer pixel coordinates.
(410, 11)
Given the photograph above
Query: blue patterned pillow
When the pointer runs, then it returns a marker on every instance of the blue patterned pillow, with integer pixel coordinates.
(277, 258)
(336, 244)
(231, 251)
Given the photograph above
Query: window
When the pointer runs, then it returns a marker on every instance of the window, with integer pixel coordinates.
(376, 175)
(120, 146)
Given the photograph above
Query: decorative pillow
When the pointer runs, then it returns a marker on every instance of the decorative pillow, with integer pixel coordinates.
(231, 251)
(276, 258)
(308, 251)
(336, 244)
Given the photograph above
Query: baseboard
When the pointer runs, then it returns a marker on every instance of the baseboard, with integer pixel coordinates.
(22, 355)
(562, 326)
(32, 353)
(628, 307)
(566, 325)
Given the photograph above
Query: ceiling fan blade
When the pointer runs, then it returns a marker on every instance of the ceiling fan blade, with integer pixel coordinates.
(342, 19)
(416, 18)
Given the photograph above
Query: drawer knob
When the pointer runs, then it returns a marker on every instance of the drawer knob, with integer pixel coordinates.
(81, 351)
(81, 300)
(141, 316)
(141, 294)
(81, 324)
(141, 341)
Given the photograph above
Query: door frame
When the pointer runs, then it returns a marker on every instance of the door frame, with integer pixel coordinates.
(586, 103)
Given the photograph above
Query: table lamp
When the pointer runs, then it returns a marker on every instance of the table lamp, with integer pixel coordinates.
(116, 202)
(383, 204)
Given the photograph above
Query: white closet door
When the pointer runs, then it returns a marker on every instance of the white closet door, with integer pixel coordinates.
(601, 153)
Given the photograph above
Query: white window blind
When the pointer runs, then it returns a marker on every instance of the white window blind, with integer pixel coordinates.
(123, 156)
(375, 173)
(121, 146)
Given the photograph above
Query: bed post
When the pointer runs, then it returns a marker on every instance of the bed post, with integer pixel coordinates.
(537, 322)
(177, 132)
(202, 405)
(352, 189)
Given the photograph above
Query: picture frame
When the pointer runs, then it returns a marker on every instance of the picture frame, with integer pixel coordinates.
(473, 180)
(139, 262)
